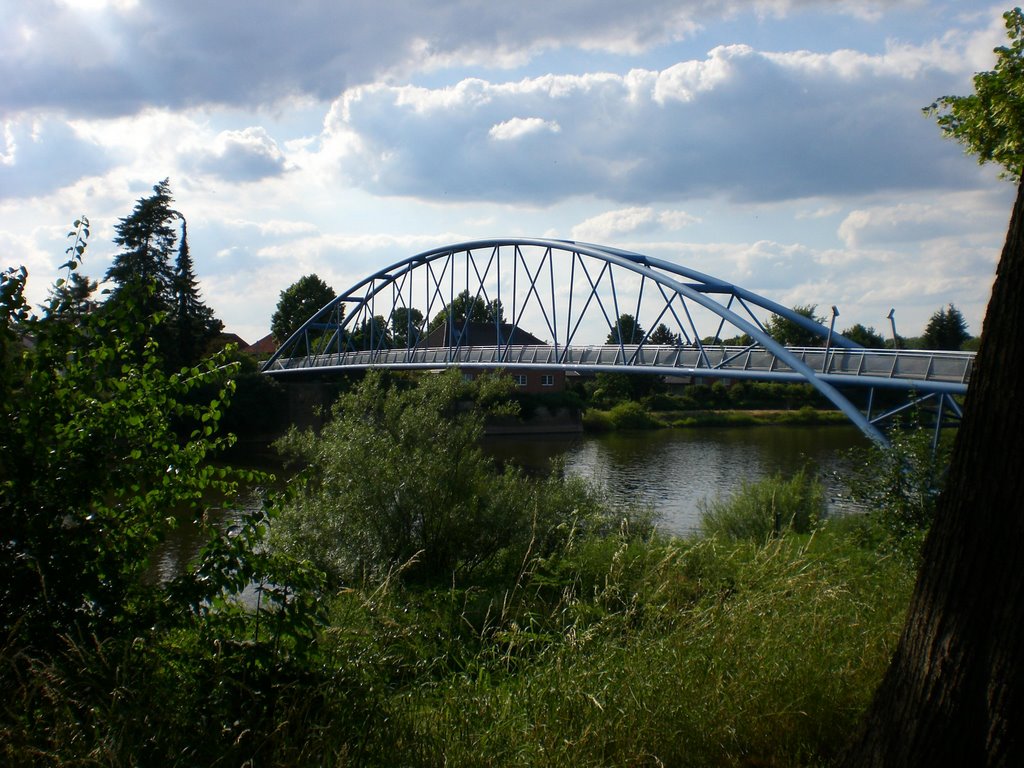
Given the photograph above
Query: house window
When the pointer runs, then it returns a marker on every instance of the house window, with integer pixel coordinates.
(520, 379)
(547, 380)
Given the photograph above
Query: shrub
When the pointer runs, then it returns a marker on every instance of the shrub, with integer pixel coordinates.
(631, 415)
(397, 482)
(759, 511)
(597, 421)
(898, 488)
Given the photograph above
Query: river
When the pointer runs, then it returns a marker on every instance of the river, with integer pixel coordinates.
(668, 471)
(672, 470)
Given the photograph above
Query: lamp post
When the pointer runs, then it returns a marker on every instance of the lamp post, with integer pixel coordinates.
(828, 339)
(892, 322)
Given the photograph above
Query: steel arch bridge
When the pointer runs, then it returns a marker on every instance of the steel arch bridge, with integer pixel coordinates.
(598, 308)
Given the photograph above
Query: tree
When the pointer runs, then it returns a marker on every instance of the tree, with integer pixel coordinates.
(791, 333)
(867, 337)
(946, 329)
(954, 693)
(372, 334)
(406, 327)
(194, 323)
(465, 308)
(146, 280)
(70, 299)
(397, 485)
(299, 302)
(662, 335)
(142, 271)
(87, 444)
(625, 331)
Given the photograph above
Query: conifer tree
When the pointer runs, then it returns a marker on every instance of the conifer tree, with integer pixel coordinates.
(148, 238)
(154, 275)
(946, 329)
(194, 323)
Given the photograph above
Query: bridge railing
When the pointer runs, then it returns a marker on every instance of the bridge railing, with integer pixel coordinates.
(866, 367)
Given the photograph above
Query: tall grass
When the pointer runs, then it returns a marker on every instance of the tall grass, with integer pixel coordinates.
(758, 511)
(619, 651)
(744, 655)
(617, 647)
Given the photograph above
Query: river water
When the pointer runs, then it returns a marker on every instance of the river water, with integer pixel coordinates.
(670, 471)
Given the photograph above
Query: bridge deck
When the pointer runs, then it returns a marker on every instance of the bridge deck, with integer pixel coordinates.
(927, 370)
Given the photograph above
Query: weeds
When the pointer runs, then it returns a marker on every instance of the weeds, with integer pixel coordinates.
(766, 509)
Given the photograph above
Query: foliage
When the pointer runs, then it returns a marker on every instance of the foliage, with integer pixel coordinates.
(740, 340)
(466, 308)
(297, 303)
(615, 648)
(147, 285)
(91, 464)
(371, 334)
(626, 331)
(898, 487)
(406, 327)
(866, 336)
(765, 509)
(632, 415)
(610, 389)
(101, 663)
(194, 323)
(990, 122)
(946, 329)
(791, 333)
(662, 335)
(147, 237)
(397, 483)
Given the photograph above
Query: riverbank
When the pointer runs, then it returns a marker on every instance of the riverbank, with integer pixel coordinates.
(632, 416)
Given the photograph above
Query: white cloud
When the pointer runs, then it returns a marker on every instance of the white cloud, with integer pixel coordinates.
(246, 155)
(673, 220)
(608, 226)
(918, 222)
(740, 123)
(518, 127)
(686, 80)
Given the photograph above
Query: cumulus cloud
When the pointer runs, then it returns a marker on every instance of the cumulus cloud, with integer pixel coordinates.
(102, 56)
(915, 222)
(738, 123)
(611, 224)
(246, 155)
(518, 127)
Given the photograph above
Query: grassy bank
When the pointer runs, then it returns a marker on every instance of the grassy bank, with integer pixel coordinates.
(621, 650)
(635, 416)
(405, 603)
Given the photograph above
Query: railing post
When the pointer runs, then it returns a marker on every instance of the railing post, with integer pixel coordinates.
(828, 339)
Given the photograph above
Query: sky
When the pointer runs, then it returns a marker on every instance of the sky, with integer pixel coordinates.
(776, 144)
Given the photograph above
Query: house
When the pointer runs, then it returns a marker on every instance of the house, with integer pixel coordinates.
(263, 348)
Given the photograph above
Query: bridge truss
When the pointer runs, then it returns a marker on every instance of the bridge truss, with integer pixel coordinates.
(562, 305)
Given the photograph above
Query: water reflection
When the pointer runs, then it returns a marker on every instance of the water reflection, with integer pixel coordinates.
(670, 471)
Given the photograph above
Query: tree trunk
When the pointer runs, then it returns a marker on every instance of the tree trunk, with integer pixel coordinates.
(953, 693)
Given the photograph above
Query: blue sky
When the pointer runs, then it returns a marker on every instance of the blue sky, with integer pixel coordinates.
(777, 144)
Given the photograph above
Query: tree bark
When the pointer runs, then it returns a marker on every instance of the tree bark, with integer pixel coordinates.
(953, 693)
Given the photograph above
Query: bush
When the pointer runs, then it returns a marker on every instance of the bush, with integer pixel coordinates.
(397, 482)
(597, 421)
(898, 488)
(765, 509)
(631, 415)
